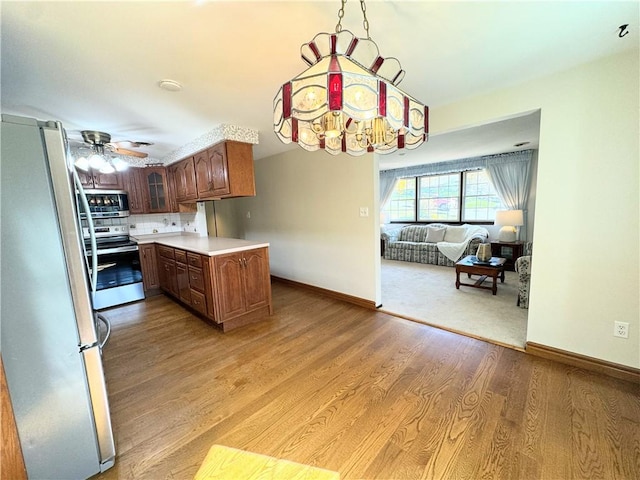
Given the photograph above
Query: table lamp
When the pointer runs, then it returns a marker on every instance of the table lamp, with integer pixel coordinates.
(509, 220)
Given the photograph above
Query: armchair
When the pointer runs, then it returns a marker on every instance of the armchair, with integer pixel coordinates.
(523, 267)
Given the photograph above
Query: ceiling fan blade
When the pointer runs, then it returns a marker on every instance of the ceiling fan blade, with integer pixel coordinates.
(131, 144)
(132, 153)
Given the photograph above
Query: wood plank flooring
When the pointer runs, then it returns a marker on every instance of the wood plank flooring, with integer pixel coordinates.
(330, 384)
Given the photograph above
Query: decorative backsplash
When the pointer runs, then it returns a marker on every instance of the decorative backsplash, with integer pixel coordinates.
(191, 222)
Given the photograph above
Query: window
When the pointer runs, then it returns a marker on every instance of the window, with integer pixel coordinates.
(402, 204)
(439, 197)
(454, 197)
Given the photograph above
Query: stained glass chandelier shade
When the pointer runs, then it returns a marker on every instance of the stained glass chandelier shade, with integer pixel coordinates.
(348, 100)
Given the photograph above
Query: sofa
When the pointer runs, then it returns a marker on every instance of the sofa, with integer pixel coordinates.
(435, 244)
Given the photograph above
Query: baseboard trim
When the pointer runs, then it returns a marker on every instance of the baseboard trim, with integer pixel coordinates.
(616, 370)
(361, 302)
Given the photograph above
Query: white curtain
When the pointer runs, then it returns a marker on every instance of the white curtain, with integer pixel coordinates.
(511, 182)
(387, 183)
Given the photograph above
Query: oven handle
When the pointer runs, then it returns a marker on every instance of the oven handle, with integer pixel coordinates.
(105, 251)
(92, 233)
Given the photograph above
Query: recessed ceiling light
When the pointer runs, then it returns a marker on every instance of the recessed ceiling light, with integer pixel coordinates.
(521, 144)
(170, 85)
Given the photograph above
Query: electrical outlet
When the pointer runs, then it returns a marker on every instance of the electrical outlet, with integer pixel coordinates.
(621, 329)
(364, 211)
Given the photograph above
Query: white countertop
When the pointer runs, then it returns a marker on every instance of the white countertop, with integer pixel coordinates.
(203, 245)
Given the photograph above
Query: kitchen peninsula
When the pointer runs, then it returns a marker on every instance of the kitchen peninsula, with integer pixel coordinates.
(225, 280)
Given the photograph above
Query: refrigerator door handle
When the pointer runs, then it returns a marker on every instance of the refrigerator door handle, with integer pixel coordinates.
(93, 268)
(70, 231)
(100, 407)
(107, 323)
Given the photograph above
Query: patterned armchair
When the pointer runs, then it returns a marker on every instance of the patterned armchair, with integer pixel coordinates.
(523, 267)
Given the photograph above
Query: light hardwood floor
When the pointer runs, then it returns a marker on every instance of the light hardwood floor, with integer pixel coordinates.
(330, 384)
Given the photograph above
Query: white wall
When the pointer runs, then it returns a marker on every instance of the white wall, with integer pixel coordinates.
(585, 268)
(307, 207)
(586, 251)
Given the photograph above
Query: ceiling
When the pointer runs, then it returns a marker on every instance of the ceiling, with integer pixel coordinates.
(96, 65)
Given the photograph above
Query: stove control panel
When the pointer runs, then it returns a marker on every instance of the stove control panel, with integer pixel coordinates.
(110, 231)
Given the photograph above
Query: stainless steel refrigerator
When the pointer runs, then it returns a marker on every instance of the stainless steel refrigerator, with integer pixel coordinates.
(48, 337)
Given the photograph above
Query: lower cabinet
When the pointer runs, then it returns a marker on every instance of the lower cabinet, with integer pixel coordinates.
(149, 265)
(231, 289)
(243, 282)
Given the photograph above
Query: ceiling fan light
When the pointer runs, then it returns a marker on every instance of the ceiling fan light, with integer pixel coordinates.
(119, 164)
(82, 163)
(96, 161)
(107, 168)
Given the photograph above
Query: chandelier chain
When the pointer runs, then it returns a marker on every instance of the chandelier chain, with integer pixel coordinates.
(365, 21)
(340, 16)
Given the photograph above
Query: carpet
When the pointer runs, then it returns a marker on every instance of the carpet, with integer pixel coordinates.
(226, 463)
(427, 293)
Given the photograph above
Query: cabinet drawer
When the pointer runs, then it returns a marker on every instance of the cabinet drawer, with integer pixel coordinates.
(166, 252)
(196, 279)
(198, 302)
(181, 256)
(194, 260)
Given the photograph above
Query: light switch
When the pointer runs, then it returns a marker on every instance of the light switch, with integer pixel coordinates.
(364, 211)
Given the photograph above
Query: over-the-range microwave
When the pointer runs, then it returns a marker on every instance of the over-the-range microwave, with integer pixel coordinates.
(106, 204)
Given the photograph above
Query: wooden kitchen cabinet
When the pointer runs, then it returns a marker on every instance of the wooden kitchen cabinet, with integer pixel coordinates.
(94, 180)
(182, 281)
(167, 270)
(184, 178)
(149, 265)
(132, 182)
(155, 190)
(243, 282)
(225, 170)
(230, 289)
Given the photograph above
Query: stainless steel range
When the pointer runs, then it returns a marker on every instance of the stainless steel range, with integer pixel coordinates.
(119, 274)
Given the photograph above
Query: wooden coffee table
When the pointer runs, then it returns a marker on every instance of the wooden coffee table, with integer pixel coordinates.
(470, 265)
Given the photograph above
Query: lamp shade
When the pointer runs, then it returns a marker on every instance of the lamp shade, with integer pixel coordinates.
(510, 218)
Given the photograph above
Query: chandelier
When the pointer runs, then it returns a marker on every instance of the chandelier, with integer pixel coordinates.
(348, 99)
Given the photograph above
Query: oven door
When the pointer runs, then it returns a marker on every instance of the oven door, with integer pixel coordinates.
(119, 277)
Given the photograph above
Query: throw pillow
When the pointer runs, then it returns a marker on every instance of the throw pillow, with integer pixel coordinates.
(455, 234)
(435, 234)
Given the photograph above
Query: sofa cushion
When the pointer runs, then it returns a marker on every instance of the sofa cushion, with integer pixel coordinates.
(456, 234)
(413, 233)
(435, 234)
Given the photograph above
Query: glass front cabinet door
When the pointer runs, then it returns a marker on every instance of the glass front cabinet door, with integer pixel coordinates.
(155, 180)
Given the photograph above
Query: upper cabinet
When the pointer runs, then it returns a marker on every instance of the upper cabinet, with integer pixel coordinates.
(155, 188)
(93, 179)
(225, 170)
(132, 180)
(184, 178)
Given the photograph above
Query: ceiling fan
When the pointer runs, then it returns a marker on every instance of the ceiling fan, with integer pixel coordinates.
(101, 140)
(104, 162)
